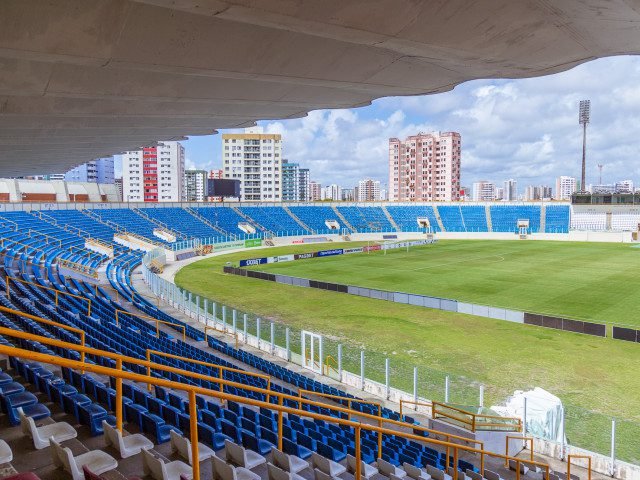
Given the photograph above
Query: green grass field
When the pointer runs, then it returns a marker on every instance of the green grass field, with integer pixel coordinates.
(596, 378)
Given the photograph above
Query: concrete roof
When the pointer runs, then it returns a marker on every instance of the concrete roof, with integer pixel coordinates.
(81, 79)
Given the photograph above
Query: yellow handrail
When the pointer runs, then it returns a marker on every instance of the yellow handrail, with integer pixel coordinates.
(57, 292)
(417, 404)
(46, 321)
(474, 420)
(31, 230)
(221, 368)
(158, 322)
(571, 457)
(78, 267)
(513, 437)
(327, 366)
(193, 390)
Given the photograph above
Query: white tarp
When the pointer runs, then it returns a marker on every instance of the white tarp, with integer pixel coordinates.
(545, 413)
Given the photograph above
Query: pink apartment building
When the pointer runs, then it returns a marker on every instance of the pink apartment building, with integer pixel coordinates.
(425, 167)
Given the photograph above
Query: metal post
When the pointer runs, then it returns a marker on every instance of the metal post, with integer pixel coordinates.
(386, 378)
(215, 314)
(613, 447)
(446, 389)
(193, 414)
(244, 328)
(197, 308)
(224, 318)
(206, 310)
(288, 346)
(482, 395)
(415, 385)
(273, 337)
(190, 304)
(234, 319)
(562, 444)
(362, 369)
(340, 361)
(258, 331)
(524, 419)
(321, 354)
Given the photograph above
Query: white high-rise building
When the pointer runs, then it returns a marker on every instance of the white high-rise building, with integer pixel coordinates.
(254, 158)
(332, 192)
(154, 174)
(624, 186)
(195, 185)
(484, 191)
(565, 187)
(368, 190)
(510, 190)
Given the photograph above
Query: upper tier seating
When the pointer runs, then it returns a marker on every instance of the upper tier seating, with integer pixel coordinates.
(130, 221)
(366, 219)
(452, 220)
(556, 219)
(75, 218)
(504, 218)
(474, 217)
(406, 217)
(589, 219)
(274, 219)
(181, 221)
(47, 241)
(225, 218)
(315, 217)
(625, 221)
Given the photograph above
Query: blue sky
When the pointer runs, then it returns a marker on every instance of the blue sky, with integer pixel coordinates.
(523, 129)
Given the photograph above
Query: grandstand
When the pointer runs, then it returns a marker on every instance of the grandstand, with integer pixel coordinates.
(46, 304)
(222, 218)
(406, 217)
(317, 431)
(315, 217)
(504, 218)
(366, 219)
(275, 220)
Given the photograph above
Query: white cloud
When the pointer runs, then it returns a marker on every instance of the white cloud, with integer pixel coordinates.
(525, 129)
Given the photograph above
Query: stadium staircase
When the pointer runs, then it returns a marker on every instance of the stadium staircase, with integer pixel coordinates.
(298, 221)
(250, 220)
(342, 219)
(160, 224)
(390, 218)
(92, 214)
(487, 212)
(438, 219)
(543, 217)
(200, 218)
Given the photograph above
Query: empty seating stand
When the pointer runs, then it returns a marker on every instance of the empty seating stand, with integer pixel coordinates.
(504, 218)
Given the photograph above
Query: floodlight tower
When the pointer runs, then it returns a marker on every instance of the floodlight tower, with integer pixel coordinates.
(584, 114)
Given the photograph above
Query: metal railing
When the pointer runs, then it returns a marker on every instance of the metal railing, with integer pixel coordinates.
(119, 374)
(120, 313)
(476, 421)
(220, 368)
(57, 292)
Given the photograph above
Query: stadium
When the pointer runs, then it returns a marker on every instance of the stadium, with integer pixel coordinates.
(298, 341)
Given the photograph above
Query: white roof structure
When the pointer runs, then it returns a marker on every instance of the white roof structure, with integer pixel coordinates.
(81, 79)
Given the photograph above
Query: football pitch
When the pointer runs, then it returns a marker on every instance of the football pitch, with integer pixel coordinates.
(595, 378)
